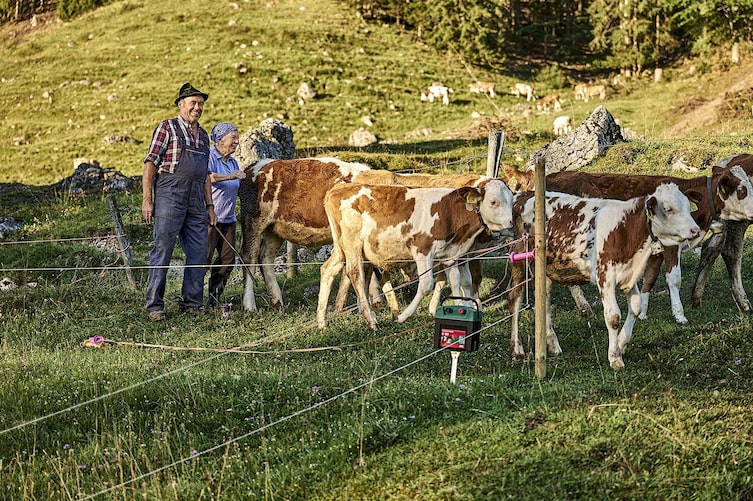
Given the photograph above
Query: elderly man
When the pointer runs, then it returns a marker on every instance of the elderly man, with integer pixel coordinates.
(178, 199)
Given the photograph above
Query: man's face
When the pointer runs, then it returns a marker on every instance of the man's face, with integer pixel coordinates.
(191, 108)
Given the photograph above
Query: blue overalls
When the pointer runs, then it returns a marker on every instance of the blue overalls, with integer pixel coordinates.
(180, 211)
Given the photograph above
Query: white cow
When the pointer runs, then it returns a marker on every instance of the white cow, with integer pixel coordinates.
(562, 125)
(523, 89)
(437, 91)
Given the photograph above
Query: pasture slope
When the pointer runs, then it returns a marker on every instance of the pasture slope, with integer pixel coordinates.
(297, 413)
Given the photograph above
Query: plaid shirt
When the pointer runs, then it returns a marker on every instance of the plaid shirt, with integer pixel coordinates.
(168, 140)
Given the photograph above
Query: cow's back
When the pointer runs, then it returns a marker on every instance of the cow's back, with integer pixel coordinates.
(291, 196)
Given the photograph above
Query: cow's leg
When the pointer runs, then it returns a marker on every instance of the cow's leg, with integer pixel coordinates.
(439, 282)
(552, 343)
(612, 318)
(650, 275)
(459, 278)
(249, 297)
(375, 288)
(355, 268)
(710, 250)
(674, 280)
(634, 307)
(342, 293)
(328, 271)
(270, 244)
(732, 253)
(251, 233)
(425, 285)
(387, 291)
(581, 302)
(514, 299)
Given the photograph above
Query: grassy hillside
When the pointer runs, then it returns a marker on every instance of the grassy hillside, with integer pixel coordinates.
(113, 73)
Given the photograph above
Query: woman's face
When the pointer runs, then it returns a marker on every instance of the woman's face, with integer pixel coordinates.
(228, 144)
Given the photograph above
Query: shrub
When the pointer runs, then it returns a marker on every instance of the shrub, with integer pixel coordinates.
(68, 9)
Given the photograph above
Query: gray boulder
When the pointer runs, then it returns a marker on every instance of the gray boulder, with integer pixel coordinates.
(581, 146)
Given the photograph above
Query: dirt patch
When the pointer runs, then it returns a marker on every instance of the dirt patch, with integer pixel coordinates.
(480, 129)
(732, 98)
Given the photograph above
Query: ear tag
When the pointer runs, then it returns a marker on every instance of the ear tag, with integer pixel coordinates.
(656, 248)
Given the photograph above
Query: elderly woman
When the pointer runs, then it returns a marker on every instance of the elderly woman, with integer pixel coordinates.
(225, 177)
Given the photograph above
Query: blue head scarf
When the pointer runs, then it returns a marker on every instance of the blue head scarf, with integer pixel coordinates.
(221, 130)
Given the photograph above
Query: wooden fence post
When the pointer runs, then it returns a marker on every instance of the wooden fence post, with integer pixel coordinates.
(496, 142)
(123, 243)
(292, 260)
(540, 267)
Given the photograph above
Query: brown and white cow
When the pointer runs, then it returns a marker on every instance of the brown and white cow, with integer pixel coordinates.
(387, 226)
(283, 200)
(549, 101)
(726, 195)
(604, 242)
(729, 244)
(479, 87)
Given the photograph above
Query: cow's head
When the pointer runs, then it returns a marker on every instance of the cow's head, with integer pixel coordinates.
(735, 190)
(668, 213)
(494, 201)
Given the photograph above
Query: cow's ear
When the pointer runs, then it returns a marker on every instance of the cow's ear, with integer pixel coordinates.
(472, 195)
(726, 186)
(696, 198)
(651, 203)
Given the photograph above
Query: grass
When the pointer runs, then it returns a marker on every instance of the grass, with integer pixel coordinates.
(374, 416)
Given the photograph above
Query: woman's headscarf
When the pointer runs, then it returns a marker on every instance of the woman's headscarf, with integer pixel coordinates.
(221, 130)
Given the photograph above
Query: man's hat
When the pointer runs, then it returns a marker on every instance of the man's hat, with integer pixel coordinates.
(188, 90)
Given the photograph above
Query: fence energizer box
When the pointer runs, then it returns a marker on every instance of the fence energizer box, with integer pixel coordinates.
(456, 327)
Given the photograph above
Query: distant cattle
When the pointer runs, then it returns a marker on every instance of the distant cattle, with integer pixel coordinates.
(523, 90)
(729, 244)
(387, 226)
(726, 195)
(549, 101)
(479, 87)
(591, 91)
(562, 125)
(437, 91)
(604, 242)
(579, 91)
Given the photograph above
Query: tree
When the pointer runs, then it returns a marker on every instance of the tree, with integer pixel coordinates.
(716, 21)
(634, 34)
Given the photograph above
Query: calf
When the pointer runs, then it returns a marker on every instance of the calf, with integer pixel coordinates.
(551, 100)
(562, 125)
(590, 91)
(478, 87)
(384, 226)
(282, 200)
(579, 91)
(604, 242)
(523, 89)
(437, 91)
(729, 244)
(726, 195)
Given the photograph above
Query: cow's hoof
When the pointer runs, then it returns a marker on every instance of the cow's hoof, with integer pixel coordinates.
(681, 320)
(617, 363)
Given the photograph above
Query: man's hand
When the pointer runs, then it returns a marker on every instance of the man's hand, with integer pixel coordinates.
(147, 210)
